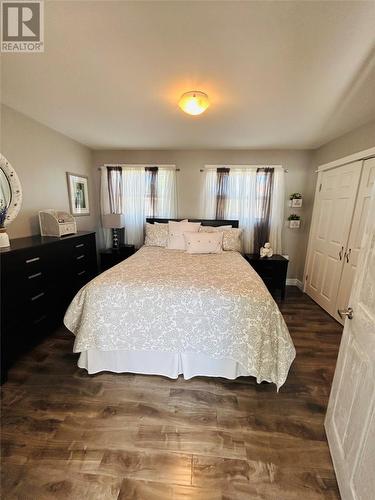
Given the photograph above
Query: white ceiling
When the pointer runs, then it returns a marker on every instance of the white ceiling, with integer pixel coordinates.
(279, 74)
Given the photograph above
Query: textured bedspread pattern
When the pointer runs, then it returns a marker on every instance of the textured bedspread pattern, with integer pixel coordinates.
(169, 301)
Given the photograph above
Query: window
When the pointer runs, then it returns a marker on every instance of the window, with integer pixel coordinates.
(252, 194)
(138, 191)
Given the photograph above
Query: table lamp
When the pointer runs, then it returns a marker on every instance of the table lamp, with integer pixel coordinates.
(114, 222)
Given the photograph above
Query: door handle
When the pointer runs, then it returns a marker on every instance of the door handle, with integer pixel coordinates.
(345, 312)
(340, 252)
(348, 255)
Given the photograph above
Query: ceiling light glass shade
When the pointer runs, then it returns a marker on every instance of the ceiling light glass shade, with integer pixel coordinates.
(194, 102)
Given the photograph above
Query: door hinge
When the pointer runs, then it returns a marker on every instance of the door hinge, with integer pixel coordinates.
(320, 187)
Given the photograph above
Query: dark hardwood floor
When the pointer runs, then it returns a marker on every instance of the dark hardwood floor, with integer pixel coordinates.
(72, 436)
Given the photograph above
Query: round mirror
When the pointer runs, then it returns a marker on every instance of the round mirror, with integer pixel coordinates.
(5, 193)
(10, 190)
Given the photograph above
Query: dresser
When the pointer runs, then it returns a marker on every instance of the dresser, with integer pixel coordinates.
(272, 270)
(39, 277)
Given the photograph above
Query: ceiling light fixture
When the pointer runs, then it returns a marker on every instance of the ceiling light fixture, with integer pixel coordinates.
(194, 102)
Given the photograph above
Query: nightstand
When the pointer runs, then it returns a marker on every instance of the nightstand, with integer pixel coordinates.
(272, 270)
(113, 256)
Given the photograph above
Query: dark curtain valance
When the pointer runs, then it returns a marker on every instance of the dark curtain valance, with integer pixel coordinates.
(222, 190)
(264, 183)
(151, 179)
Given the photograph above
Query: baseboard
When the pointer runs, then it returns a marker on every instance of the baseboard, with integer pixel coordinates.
(294, 282)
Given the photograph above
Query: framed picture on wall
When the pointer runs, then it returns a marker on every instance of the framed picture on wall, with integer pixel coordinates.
(78, 190)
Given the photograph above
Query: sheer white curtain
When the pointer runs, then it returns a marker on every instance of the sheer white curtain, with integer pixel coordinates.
(241, 202)
(134, 195)
(277, 210)
(105, 236)
(134, 200)
(209, 193)
(166, 193)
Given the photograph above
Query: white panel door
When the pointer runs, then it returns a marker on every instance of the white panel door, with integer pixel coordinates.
(356, 234)
(350, 419)
(332, 219)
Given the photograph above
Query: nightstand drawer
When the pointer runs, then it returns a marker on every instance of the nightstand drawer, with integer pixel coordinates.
(112, 257)
(270, 265)
(272, 270)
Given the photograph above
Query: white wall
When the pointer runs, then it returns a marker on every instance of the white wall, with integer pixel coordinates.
(41, 157)
(300, 178)
(359, 139)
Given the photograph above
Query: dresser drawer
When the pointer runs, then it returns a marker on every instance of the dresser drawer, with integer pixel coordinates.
(80, 259)
(21, 265)
(83, 264)
(82, 277)
(85, 245)
(14, 292)
(25, 331)
(79, 256)
(29, 306)
(36, 281)
(81, 245)
(21, 280)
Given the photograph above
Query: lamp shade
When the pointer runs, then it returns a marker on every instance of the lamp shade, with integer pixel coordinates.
(113, 221)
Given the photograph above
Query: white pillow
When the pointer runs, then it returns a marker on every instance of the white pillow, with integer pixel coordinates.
(204, 242)
(176, 240)
(156, 235)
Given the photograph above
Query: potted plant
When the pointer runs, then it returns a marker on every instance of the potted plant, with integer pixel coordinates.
(295, 200)
(4, 238)
(294, 221)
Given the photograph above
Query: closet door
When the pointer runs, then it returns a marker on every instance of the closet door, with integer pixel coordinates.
(332, 219)
(355, 237)
(350, 419)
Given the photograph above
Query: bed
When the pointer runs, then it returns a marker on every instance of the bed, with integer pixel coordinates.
(168, 313)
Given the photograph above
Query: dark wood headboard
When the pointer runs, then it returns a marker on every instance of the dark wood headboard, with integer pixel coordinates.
(204, 222)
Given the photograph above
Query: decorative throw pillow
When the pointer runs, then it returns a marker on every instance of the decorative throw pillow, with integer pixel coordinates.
(156, 235)
(212, 229)
(204, 242)
(232, 239)
(176, 240)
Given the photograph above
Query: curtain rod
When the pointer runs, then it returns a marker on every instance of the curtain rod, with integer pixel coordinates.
(208, 167)
(138, 165)
(239, 167)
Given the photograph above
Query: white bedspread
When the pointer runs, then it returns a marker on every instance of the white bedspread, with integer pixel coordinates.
(169, 301)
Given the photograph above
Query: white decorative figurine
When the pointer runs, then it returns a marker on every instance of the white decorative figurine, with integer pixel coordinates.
(266, 251)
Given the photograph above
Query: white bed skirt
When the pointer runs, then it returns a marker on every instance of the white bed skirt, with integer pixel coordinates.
(160, 363)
